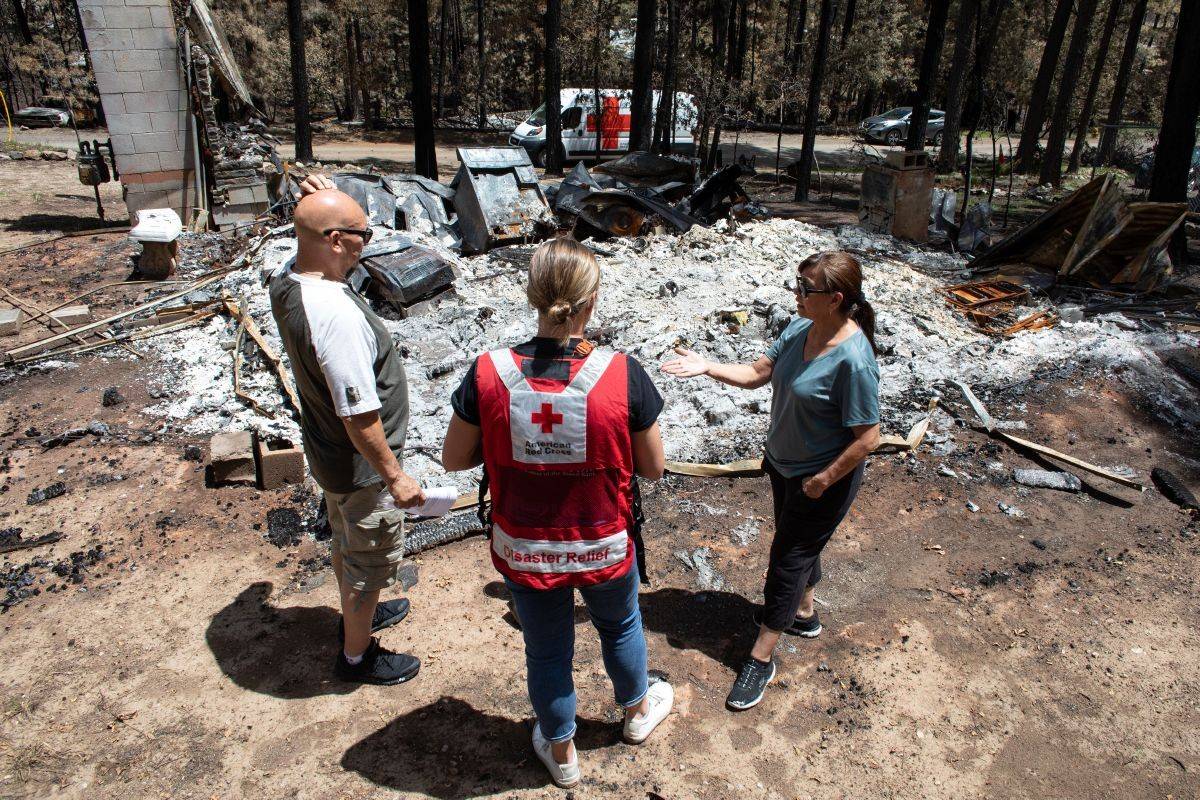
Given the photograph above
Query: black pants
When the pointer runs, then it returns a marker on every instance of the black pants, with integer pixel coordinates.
(802, 527)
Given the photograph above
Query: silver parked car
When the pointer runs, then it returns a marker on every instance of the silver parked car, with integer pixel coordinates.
(41, 116)
(891, 127)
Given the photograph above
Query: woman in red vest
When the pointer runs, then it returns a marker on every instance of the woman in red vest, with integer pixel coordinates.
(561, 429)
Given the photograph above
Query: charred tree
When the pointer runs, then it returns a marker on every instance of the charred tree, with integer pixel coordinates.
(987, 29)
(295, 18)
(22, 20)
(1051, 171)
(717, 65)
(360, 71)
(552, 155)
(1089, 100)
(350, 76)
(424, 152)
(665, 118)
(935, 34)
(956, 85)
(838, 94)
(1181, 105)
(814, 101)
(641, 113)
(441, 71)
(1116, 105)
(481, 66)
(1031, 133)
(801, 28)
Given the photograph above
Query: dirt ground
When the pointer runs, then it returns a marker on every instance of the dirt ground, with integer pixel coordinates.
(181, 654)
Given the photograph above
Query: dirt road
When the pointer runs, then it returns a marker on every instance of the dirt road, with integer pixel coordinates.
(967, 654)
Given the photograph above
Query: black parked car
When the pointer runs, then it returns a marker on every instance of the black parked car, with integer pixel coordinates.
(891, 127)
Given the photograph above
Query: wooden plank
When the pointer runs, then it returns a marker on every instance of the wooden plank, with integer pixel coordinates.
(285, 378)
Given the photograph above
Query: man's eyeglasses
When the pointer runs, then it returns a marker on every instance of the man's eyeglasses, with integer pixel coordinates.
(364, 233)
(804, 290)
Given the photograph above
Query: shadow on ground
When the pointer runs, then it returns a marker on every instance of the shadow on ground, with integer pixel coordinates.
(717, 624)
(282, 652)
(409, 754)
(64, 223)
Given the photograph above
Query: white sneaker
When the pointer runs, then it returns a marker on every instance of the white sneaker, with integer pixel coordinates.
(660, 697)
(563, 775)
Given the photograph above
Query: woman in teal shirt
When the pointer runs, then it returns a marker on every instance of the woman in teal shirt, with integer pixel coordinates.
(824, 423)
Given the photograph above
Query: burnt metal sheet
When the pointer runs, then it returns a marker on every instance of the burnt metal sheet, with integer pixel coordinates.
(408, 274)
(621, 212)
(212, 39)
(497, 198)
(372, 195)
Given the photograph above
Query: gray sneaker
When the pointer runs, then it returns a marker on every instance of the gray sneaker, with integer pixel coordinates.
(751, 682)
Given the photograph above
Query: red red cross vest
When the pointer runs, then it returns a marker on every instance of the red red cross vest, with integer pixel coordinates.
(559, 457)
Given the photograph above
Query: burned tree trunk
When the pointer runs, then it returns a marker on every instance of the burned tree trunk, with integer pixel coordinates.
(838, 94)
(481, 66)
(552, 155)
(424, 153)
(814, 101)
(22, 20)
(1177, 135)
(956, 85)
(935, 33)
(295, 18)
(349, 76)
(1051, 171)
(441, 71)
(641, 128)
(665, 118)
(1116, 106)
(1031, 133)
(797, 60)
(987, 28)
(1089, 100)
(360, 72)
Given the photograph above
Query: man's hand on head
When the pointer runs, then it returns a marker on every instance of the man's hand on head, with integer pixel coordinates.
(315, 183)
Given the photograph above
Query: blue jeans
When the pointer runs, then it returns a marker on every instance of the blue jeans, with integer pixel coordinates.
(547, 619)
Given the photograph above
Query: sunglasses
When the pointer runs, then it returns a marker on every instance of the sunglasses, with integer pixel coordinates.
(804, 290)
(364, 233)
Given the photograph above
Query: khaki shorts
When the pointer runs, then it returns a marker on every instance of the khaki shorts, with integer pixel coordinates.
(368, 535)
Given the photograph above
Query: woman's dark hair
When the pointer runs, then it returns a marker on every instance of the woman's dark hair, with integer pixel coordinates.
(841, 272)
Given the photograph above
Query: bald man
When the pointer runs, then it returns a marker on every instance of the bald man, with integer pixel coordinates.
(354, 419)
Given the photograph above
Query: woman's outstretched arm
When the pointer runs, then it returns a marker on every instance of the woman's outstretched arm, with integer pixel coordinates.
(743, 376)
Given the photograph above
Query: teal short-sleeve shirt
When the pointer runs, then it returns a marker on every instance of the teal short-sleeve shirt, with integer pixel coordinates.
(815, 403)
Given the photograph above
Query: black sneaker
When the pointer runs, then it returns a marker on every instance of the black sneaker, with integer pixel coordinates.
(387, 614)
(808, 627)
(379, 666)
(751, 682)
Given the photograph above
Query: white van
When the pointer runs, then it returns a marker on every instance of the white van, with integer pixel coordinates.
(579, 125)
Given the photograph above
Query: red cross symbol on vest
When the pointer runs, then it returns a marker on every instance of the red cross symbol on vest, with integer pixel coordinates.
(546, 418)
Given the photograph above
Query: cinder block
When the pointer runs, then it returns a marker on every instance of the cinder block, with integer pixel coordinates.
(163, 80)
(248, 194)
(114, 102)
(93, 18)
(162, 17)
(139, 162)
(136, 60)
(128, 18)
(154, 142)
(102, 61)
(153, 101)
(280, 462)
(122, 143)
(116, 39)
(174, 159)
(73, 316)
(118, 82)
(231, 456)
(10, 322)
(164, 121)
(152, 38)
(129, 123)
